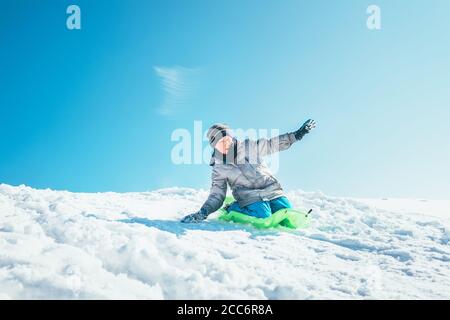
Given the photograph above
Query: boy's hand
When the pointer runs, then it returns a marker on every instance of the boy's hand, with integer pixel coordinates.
(305, 128)
(195, 217)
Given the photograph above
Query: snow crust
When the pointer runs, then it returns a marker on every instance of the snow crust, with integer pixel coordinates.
(63, 245)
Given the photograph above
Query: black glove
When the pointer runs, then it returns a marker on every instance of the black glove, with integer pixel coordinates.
(305, 128)
(195, 217)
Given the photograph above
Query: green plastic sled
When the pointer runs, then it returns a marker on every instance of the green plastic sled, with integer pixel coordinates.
(288, 218)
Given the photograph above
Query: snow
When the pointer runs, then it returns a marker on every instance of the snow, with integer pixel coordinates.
(63, 245)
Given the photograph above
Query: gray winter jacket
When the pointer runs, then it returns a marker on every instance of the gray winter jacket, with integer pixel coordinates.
(243, 169)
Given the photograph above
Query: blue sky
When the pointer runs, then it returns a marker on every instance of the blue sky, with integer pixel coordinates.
(94, 109)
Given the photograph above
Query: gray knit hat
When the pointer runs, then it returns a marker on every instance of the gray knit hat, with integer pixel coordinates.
(218, 131)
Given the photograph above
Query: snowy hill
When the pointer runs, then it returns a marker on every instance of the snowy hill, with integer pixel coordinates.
(57, 244)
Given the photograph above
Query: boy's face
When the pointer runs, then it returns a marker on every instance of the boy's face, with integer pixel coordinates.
(224, 144)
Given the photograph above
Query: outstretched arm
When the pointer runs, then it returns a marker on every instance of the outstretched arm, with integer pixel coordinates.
(215, 199)
(217, 193)
(282, 142)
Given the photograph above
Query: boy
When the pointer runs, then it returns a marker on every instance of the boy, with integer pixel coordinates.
(239, 164)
